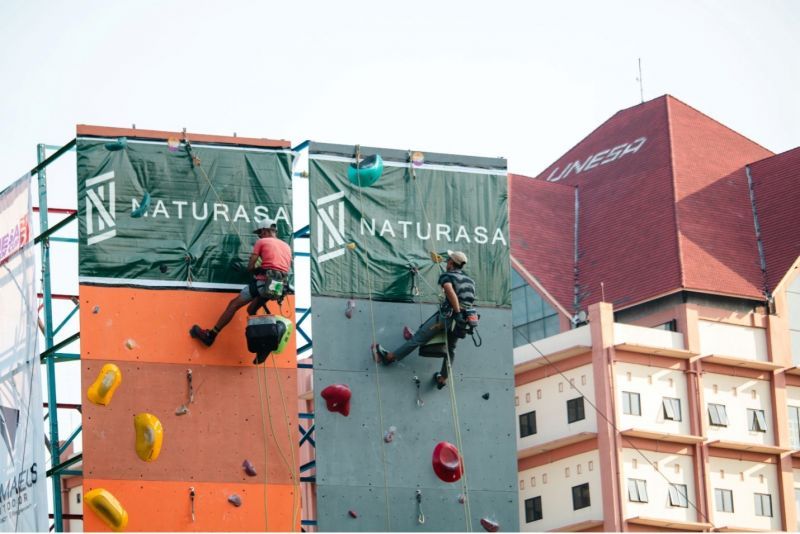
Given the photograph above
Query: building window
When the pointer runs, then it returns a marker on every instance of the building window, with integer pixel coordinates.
(533, 509)
(678, 496)
(763, 504)
(527, 424)
(637, 490)
(580, 496)
(575, 410)
(723, 499)
(630, 403)
(756, 420)
(794, 429)
(717, 416)
(797, 507)
(669, 326)
(532, 317)
(672, 408)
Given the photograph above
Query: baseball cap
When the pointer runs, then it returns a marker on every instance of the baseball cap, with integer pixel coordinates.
(457, 256)
(266, 224)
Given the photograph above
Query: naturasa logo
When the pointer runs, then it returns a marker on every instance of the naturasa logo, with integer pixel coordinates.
(101, 210)
(331, 240)
(14, 494)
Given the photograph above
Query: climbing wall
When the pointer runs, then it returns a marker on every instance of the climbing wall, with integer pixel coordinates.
(372, 236)
(165, 229)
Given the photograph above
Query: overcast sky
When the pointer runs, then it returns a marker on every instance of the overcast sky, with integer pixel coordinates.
(523, 80)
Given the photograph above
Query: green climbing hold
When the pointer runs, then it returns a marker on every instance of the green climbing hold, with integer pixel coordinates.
(143, 206)
(366, 172)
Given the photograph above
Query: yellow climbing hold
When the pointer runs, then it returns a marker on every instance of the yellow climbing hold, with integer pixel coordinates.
(351, 246)
(104, 386)
(287, 334)
(436, 258)
(149, 436)
(107, 508)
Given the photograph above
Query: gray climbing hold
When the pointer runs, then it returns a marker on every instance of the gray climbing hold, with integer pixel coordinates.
(96, 310)
(182, 410)
(352, 514)
(485, 396)
(249, 468)
(235, 500)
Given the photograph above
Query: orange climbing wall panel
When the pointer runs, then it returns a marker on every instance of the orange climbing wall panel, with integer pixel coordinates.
(238, 411)
(132, 324)
(166, 506)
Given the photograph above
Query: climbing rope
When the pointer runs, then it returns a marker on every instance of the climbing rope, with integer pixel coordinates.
(374, 341)
(196, 163)
(295, 481)
(453, 399)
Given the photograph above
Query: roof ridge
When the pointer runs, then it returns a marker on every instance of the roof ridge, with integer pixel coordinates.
(678, 232)
(725, 126)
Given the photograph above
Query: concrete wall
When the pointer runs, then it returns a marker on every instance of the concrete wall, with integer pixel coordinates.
(744, 479)
(739, 341)
(554, 482)
(358, 471)
(548, 398)
(738, 394)
(671, 469)
(652, 384)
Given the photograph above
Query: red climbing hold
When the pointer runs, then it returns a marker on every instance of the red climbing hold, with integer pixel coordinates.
(447, 462)
(489, 525)
(407, 333)
(352, 514)
(337, 398)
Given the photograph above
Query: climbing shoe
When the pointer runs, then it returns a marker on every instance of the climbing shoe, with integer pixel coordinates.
(436, 376)
(206, 336)
(379, 354)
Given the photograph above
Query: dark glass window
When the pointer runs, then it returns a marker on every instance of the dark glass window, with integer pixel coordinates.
(580, 496)
(527, 424)
(575, 410)
(533, 509)
(531, 316)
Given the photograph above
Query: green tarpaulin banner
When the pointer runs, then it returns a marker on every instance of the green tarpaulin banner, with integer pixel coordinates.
(377, 238)
(168, 215)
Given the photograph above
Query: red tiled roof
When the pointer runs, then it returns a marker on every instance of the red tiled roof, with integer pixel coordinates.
(776, 183)
(664, 205)
(542, 238)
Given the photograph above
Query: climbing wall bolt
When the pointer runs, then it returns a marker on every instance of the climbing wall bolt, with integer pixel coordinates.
(420, 515)
(420, 402)
(191, 498)
(191, 388)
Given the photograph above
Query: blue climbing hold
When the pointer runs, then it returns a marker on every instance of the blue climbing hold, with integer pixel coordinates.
(366, 172)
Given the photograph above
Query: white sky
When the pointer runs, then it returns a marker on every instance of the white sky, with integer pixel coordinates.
(522, 80)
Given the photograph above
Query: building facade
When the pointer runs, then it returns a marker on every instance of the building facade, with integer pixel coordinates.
(656, 361)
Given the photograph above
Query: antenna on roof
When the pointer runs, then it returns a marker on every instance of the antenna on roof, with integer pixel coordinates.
(641, 82)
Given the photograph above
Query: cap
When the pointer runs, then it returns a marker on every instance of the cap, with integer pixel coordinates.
(266, 224)
(447, 462)
(457, 256)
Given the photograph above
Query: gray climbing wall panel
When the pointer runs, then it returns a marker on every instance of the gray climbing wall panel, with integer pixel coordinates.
(377, 218)
(356, 469)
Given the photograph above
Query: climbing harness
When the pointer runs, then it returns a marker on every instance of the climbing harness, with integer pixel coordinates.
(420, 515)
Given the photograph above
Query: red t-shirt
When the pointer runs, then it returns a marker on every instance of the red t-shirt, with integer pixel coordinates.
(275, 254)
